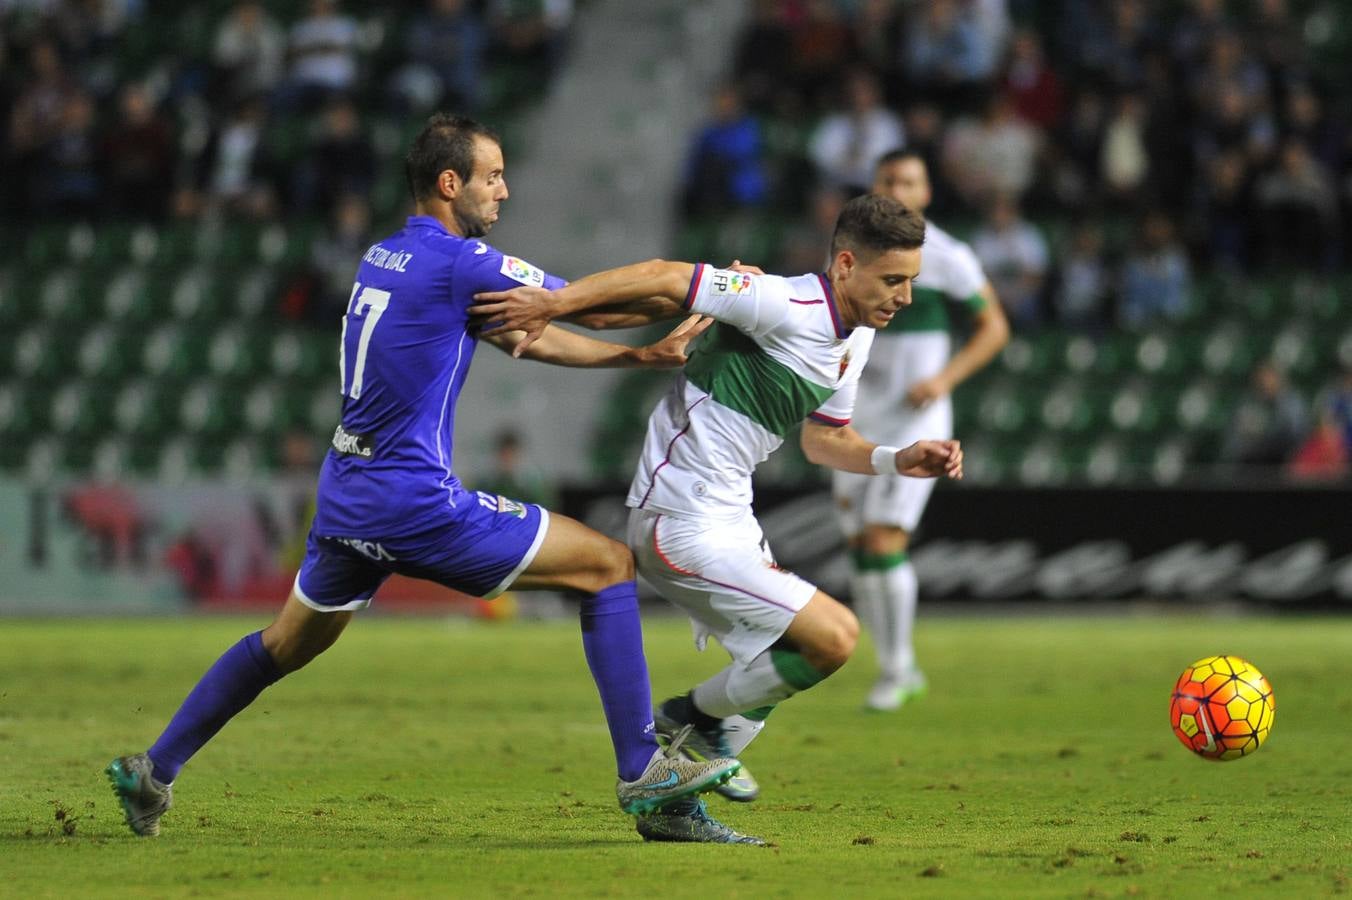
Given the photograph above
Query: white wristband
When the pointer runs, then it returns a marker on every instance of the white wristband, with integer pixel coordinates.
(885, 460)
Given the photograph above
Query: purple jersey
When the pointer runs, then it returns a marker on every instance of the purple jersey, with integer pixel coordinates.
(404, 356)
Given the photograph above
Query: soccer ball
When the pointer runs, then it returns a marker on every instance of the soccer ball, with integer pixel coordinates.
(1222, 708)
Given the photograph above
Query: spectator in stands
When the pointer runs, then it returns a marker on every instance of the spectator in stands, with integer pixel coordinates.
(36, 117)
(1223, 212)
(1323, 455)
(1156, 277)
(323, 49)
(1299, 206)
(726, 169)
(236, 174)
(1083, 283)
(67, 175)
(846, 145)
(1268, 424)
(1014, 255)
(822, 47)
(1197, 28)
(340, 160)
(947, 51)
(445, 45)
(760, 60)
(531, 33)
(1336, 402)
(995, 154)
(249, 52)
(876, 28)
(137, 152)
(322, 297)
(1125, 160)
(1031, 83)
(1076, 149)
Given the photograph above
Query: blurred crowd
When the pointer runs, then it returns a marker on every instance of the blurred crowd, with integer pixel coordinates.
(131, 108)
(1205, 124)
(1099, 155)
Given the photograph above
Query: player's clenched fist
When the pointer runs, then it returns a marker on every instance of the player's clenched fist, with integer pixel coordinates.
(931, 459)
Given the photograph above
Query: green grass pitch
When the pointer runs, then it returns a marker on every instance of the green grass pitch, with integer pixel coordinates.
(441, 758)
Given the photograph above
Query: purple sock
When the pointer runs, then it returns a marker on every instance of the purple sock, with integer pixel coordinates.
(228, 686)
(612, 639)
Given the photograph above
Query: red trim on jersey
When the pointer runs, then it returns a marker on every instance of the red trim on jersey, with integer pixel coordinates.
(828, 420)
(667, 458)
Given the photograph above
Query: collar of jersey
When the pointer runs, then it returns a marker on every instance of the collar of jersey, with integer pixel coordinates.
(427, 222)
(841, 333)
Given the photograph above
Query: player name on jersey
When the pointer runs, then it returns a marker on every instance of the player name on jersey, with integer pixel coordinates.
(394, 260)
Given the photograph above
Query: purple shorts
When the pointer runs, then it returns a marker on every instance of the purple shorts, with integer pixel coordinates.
(480, 549)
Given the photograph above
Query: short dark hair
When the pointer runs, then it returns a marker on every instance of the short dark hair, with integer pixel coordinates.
(873, 224)
(897, 155)
(446, 142)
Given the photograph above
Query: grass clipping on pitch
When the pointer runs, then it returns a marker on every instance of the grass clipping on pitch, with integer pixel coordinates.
(454, 758)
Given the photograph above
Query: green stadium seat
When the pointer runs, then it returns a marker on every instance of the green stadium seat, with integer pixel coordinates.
(145, 409)
(1106, 461)
(235, 352)
(173, 352)
(1004, 410)
(42, 351)
(1044, 463)
(196, 295)
(1230, 352)
(296, 354)
(203, 410)
(106, 353)
(1136, 408)
(80, 409)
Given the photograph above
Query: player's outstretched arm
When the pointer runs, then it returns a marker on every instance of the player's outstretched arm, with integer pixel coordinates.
(841, 447)
(561, 347)
(637, 313)
(990, 333)
(529, 309)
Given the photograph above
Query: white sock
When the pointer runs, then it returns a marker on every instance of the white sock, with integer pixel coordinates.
(740, 731)
(868, 593)
(737, 688)
(899, 589)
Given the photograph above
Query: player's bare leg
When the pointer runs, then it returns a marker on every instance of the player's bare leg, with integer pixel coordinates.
(143, 782)
(886, 590)
(574, 557)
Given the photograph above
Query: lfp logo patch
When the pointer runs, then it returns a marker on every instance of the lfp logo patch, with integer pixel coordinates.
(731, 283)
(522, 271)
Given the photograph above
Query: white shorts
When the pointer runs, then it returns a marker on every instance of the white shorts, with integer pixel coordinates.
(891, 500)
(722, 575)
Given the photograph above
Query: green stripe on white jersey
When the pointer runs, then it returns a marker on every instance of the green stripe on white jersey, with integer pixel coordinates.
(734, 370)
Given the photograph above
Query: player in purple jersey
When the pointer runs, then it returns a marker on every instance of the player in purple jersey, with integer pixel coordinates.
(389, 502)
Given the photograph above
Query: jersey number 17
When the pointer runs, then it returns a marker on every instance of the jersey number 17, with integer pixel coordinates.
(369, 303)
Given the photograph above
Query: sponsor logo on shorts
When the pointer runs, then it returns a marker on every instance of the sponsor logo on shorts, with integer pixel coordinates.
(699, 489)
(369, 549)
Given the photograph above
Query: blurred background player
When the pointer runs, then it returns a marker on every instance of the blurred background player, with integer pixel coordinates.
(388, 501)
(785, 352)
(904, 396)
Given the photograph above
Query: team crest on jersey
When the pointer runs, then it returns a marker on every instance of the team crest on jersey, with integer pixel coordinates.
(522, 271)
(844, 364)
(730, 283)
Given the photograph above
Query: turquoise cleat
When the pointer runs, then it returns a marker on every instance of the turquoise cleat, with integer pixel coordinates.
(144, 800)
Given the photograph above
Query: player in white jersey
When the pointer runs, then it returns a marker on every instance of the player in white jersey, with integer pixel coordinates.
(784, 352)
(905, 395)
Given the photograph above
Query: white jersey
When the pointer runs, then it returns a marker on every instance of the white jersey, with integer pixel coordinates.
(916, 343)
(777, 355)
